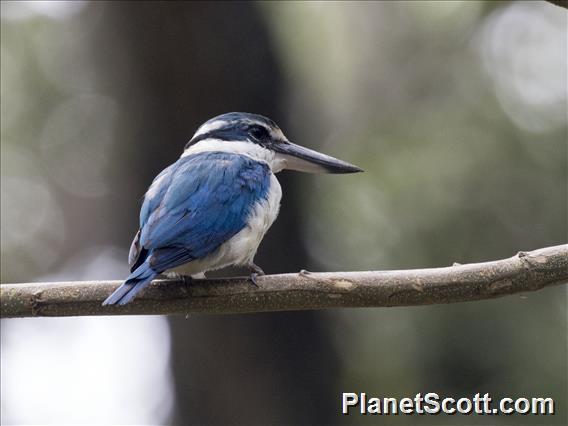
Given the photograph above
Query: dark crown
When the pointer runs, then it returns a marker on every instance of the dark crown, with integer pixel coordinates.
(236, 126)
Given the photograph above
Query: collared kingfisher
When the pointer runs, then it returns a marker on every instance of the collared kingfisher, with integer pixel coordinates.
(212, 207)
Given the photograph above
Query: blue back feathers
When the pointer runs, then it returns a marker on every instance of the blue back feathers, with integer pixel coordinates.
(192, 207)
(200, 202)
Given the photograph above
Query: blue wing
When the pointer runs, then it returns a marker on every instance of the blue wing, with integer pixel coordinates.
(191, 208)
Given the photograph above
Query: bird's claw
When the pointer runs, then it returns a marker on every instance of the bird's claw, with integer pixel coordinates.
(252, 278)
(172, 275)
(186, 279)
(256, 269)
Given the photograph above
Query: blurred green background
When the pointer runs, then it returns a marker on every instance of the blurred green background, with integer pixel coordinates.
(457, 112)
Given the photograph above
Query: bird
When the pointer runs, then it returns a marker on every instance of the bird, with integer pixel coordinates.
(212, 207)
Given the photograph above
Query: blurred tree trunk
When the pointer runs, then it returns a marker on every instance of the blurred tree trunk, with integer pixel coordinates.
(172, 66)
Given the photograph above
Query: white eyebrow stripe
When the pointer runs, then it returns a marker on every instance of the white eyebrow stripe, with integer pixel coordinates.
(208, 127)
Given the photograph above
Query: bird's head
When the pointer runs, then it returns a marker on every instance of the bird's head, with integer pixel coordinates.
(260, 138)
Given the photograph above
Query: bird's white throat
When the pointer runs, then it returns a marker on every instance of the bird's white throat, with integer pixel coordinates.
(256, 152)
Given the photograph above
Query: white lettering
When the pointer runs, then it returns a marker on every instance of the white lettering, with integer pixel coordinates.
(464, 405)
(374, 406)
(432, 405)
(445, 408)
(406, 406)
(504, 408)
(349, 400)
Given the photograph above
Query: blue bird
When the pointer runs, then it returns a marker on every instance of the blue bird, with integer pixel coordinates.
(212, 207)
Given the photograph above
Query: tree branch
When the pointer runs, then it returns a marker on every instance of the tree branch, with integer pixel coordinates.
(561, 3)
(523, 272)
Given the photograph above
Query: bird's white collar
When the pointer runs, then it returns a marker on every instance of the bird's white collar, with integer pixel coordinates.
(252, 150)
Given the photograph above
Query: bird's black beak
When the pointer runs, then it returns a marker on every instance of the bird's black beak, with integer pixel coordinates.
(296, 157)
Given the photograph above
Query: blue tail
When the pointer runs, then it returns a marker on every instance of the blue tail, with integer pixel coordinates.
(137, 280)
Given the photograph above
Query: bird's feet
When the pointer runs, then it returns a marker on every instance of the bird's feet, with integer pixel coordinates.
(255, 272)
(187, 279)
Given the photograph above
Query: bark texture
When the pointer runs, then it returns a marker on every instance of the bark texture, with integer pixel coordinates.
(524, 272)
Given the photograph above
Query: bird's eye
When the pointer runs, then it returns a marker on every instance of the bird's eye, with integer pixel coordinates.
(258, 132)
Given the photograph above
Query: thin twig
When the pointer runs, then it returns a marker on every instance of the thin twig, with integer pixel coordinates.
(524, 272)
